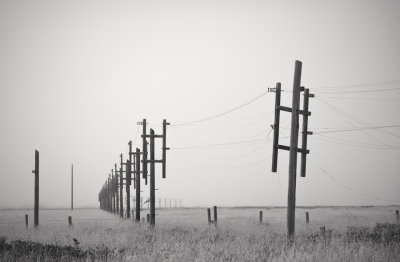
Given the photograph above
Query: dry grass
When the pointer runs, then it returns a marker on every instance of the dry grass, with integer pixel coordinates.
(184, 235)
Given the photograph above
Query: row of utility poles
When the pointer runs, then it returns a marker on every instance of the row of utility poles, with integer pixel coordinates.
(140, 164)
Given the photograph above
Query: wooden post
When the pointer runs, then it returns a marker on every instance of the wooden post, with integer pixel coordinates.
(128, 188)
(152, 181)
(144, 151)
(26, 220)
(307, 218)
(261, 217)
(70, 221)
(164, 148)
(121, 187)
(116, 186)
(72, 187)
(148, 218)
(294, 132)
(209, 215)
(165, 202)
(215, 215)
(137, 183)
(304, 134)
(397, 216)
(36, 206)
(276, 127)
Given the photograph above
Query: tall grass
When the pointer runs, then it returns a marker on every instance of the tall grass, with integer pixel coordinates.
(240, 238)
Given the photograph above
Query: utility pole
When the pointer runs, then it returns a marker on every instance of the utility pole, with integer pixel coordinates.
(72, 187)
(152, 181)
(116, 186)
(137, 185)
(152, 162)
(293, 148)
(36, 206)
(121, 187)
(294, 133)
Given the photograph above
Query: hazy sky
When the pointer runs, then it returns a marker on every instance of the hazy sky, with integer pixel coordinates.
(76, 76)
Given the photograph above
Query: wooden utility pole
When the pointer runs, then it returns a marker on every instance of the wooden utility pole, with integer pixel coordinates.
(137, 185)
(116, 187)
(121, 187)
(294, 133)
(36, 206)
(152, 161)
(144, 136)
(276, 127)
(128, 190)
(72, 187)
(152, 181)
(293, 148)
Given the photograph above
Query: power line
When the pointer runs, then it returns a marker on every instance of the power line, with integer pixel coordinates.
(222, 144)
(356, 129)
(362, 98)
(354, 144)
(350, 188)
(341, 114)
(258, 121)
(358, 91)
(232, 157)
(230, 121)
(225, 167)
(388, 82)
(223, 113)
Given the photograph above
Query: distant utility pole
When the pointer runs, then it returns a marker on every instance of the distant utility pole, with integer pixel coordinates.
(36, 206)
(121, 187)
(293, 149)
(137, 185)
(72, 187)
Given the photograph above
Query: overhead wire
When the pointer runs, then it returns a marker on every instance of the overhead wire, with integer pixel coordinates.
(258, 162)
(351, 188)
(342, 114)
(356, 129)
(223, 113)
(361, 85)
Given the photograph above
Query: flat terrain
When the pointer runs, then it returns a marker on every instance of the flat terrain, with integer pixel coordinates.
(184, 235)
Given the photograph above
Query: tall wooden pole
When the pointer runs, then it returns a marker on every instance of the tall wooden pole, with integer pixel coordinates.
(128, 188)
(116, 187)
(276, 127)
(293, 150)
(72, 187)
(137, 184)
(36, 206)
(152, 181)
(121, 187)
(144, 151)
(304, 133)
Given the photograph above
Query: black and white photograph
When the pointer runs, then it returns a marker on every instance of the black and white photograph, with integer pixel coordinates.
(199, 130)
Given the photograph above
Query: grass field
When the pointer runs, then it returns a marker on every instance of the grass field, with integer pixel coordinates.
(184, 235)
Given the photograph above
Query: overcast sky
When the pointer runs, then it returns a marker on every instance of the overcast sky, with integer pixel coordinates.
(76, 76)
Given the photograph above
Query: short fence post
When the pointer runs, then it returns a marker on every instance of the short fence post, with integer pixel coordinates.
(261, 217)
(307, 218)
(148, 218)
(397, 216)
(70, 221)
(215, 215)
(26, 220)
(209, 215)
